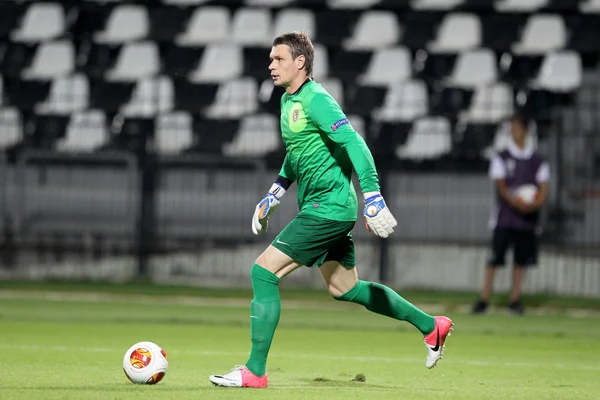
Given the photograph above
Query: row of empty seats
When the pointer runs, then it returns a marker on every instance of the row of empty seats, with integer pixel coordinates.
(556, 71)
(253, 135)
(252, 26)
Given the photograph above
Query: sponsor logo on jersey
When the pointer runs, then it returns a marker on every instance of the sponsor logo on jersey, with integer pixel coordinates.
(339, 123)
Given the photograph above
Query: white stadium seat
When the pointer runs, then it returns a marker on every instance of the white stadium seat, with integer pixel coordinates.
(68, 94)
(219, 63)
(206, 25)
(252, 27)
(335, 88)
(258, 135)
(435, 5)
(457, 32)
(542, 33)
(490, 104)
(12, 130)
(173, 132)
(590, 7)
(560, 72)
(429, 138)
(126, 22)
(135, 61)
(235, 99)
(42, 21)
(86, 132)
(374, 29)
(473, 68)
(151, 95)
(321, 62)
(51, 60)
(388, 66)
(519, 5)
(295, 19)
(404, 101)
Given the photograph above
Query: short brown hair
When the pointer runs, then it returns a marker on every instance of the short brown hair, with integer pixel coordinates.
(300, 45)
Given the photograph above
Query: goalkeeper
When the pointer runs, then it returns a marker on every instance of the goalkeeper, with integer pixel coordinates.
(322, 151)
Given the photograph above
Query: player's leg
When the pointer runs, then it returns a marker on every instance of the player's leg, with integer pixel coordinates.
(341, 279)
(500, 243)
(265, 310)
(525, 256)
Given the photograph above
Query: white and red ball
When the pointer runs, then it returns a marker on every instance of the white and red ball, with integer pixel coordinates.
(145, 363)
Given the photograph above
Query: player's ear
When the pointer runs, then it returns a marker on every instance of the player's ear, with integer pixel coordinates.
(300, 61)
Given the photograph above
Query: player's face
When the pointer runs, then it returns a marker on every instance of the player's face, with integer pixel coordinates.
(284, 69)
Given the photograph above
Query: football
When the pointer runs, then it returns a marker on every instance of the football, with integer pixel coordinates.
(527, 193)
(145, 363)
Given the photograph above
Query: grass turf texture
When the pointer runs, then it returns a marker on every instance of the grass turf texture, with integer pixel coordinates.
(70, 346)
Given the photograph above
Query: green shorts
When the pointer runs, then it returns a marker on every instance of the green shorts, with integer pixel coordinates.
(312, 241)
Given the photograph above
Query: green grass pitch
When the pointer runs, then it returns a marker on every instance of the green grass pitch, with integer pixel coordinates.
(69, 345)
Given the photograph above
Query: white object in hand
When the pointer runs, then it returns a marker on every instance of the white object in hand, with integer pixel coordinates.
(527, 193)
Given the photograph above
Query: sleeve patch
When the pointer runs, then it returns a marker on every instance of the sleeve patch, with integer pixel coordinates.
(339, 123)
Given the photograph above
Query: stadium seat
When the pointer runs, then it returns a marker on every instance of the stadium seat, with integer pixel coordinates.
(150, 96)
(86, 131)
(559, 72)
(135, 61)
(252, 27)
(590, 7)
(42, 21)
(404, 101)
(519, 5)
(173, 133)
(373, 30)
(335, 88)
(219, 63)
(457, 32)
(388, 66)
(295, 19)
(258, 135)
(234, 99)
(206, 25)
(12, 127)
(473, 68)
(351, 4)
(429, 138)
(321, 62)
(435, 5)
(51, 60)
(127, 22)
(68, 94)
(490, 104)
(542, 33)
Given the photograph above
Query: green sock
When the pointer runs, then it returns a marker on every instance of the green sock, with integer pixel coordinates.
(264, 316)
(382, 300)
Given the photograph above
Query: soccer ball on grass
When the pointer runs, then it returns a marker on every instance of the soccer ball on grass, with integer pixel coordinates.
(145, 363)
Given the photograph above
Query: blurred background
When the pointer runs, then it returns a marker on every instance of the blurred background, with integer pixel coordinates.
(137, 137)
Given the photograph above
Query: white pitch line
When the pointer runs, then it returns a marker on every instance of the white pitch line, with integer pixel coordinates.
(389, 360)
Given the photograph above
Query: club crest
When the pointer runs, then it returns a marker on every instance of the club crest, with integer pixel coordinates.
(295, 115)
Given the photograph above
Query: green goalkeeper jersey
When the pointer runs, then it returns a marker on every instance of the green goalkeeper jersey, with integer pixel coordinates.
(322, 149)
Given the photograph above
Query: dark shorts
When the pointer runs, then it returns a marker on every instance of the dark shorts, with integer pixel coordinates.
(523, 243)
(311, 241)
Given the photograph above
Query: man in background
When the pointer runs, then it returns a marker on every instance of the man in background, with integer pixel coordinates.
(515, 221)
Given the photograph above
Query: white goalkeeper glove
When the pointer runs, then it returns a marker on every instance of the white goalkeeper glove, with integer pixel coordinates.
(260, 220)
(378, 218)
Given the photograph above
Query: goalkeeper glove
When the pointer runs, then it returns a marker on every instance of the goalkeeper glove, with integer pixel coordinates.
(260, 220)
(378, 218)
